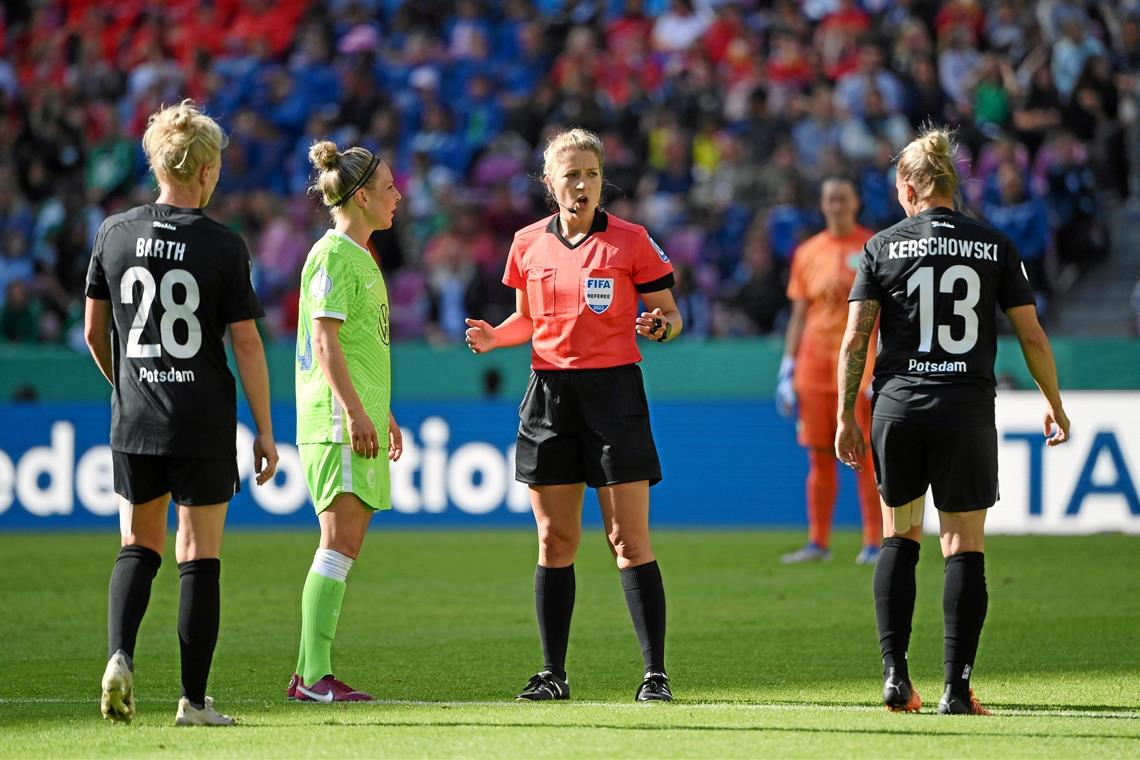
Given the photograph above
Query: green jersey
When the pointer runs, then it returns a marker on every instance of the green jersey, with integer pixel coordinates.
(341, 280)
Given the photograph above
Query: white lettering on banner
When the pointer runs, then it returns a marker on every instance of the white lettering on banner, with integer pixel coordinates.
(95, 481)
(518, 494)
(287, 491)
(433, 476)
(477, 478)
(55, 462)
(1090, 484)
(405, 496)
(7, 481)
(443, 478)
(473, 459)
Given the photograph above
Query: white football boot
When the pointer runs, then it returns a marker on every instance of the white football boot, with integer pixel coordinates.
(189, 715)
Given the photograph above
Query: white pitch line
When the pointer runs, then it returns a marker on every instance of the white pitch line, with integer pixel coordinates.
(752, 706)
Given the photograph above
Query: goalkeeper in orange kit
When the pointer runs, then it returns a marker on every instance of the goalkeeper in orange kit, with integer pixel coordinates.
(823, 270)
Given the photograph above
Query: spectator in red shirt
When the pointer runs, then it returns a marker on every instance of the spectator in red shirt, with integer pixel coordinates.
(584, 420)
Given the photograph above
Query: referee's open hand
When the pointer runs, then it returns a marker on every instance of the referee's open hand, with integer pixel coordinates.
(480, 336)
(363, 434)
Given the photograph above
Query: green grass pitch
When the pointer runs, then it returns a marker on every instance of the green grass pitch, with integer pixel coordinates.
(765, 660)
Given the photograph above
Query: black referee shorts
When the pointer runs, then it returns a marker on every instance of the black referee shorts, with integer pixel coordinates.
(191, 481)
(958, 463)
(586, 426)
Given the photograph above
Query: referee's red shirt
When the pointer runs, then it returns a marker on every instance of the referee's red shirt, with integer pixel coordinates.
(583, 298)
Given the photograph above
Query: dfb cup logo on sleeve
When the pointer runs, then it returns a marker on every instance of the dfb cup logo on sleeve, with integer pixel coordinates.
(599, 293)
(321, 284)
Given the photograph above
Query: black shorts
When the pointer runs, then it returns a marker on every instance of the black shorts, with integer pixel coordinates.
(586, 426)
(958, 463)
(191, 481)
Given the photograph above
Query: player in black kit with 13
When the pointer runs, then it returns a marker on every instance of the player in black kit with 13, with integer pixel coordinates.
(164, 283)
(935, 280)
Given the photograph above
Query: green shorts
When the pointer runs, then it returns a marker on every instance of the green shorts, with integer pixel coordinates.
(332, 469)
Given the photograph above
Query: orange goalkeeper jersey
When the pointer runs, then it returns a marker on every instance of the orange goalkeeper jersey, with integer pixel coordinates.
(823, 270)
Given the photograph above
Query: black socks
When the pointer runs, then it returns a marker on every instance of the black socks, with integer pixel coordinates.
(894, 602)
(198, 610)
(645, 597)
(128, 595)
(964, 604)
(554, 604)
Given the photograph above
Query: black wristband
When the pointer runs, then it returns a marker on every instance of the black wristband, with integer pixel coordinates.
(668, 331)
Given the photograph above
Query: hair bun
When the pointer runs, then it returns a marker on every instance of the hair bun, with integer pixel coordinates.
(938, 144)
(324, 155)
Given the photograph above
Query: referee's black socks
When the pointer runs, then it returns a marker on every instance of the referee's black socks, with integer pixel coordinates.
(964, 604)
(645, 597)
(894, 601)
(128, 595)
(199, 605)
(554, 589)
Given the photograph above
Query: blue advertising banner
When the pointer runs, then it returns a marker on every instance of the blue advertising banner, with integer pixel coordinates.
(725, 464)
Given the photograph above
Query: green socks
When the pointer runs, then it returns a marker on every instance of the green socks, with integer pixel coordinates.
(320, 612)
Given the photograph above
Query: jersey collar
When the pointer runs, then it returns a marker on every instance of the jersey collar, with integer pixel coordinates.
(347, 239)
(600, 223)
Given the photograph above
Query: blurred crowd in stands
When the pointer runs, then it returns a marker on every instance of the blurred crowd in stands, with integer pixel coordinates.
(720, 119)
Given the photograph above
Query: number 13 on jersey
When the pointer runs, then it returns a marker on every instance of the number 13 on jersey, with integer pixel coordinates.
(922, 280)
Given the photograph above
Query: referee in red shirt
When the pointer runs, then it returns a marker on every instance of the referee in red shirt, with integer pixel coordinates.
(584, 420)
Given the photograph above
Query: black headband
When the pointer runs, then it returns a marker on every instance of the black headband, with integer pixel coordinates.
(360, 183)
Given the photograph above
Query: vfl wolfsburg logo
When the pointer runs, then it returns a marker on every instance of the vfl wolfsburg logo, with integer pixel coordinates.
(599, 293)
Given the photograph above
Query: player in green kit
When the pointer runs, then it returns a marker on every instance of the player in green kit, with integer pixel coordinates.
(344, 387)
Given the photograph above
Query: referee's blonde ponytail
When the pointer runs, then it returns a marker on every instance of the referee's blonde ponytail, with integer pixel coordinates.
(927, 164)
(179, 140)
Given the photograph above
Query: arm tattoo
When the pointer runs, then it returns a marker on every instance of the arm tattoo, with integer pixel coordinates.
(853, 354)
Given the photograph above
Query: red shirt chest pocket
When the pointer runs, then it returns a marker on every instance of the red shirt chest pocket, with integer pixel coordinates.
(540, 291)
(606, 292)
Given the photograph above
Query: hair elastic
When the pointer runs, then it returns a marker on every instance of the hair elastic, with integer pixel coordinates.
(361, 182)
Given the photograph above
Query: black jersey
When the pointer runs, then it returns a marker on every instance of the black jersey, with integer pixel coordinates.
(938, 277)
(175, 279)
